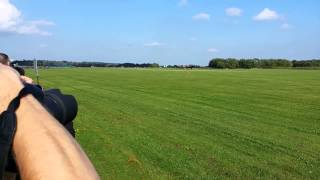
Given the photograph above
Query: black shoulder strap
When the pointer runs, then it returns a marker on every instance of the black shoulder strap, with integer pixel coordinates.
(8, 125)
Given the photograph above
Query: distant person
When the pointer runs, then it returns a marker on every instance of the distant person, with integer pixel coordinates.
(4, 59)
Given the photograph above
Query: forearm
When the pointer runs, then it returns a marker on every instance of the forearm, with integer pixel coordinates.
(44, 149)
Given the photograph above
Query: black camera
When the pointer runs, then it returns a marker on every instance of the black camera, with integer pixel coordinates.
(63, 107)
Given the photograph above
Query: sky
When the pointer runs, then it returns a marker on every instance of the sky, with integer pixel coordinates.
(161, 31)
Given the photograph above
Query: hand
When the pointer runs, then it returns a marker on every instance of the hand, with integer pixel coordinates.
(10, 85)
(26, 79)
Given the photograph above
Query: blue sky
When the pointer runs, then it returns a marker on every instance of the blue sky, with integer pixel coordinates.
(162, 31)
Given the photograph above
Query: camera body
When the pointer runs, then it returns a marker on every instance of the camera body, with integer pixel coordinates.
(63, 107)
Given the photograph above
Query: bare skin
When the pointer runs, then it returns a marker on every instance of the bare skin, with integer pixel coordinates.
(26, 79)
(43, 148)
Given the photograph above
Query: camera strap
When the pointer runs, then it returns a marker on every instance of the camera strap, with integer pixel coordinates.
(8, 125)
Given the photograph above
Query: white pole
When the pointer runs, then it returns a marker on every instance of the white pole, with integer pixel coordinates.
(36, 69)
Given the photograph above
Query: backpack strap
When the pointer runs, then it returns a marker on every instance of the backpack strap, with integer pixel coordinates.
(8, 125)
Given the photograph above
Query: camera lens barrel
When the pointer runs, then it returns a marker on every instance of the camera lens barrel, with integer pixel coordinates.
(63, 107)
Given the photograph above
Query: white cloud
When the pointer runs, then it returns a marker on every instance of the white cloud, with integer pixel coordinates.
(201, 16)
(9, 14)
(233, 11)
(213, 50)
(285, 26)
(183, 2)
(193, 39)
(43, 23)
(267, 15)
(33, 27)
(11, 21)
(154, 44)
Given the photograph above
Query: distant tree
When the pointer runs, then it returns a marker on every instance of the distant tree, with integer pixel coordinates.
(218, 63)
(306, 63)
(248, 64)
(232, 63)
(154, 65)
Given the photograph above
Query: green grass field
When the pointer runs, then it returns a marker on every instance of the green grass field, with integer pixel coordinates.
(196, 124)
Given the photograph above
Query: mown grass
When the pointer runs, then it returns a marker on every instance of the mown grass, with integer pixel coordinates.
(185, 124)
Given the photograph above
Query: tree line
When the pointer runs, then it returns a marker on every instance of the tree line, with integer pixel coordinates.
(232, 63)
(48, 63)
(218, 63)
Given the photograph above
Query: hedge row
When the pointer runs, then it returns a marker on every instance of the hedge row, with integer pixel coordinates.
(231, 63)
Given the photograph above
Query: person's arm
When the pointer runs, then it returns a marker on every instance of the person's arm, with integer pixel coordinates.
(26, 79)
(43, 148)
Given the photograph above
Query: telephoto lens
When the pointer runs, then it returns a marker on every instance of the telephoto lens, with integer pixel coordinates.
(63, 107)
